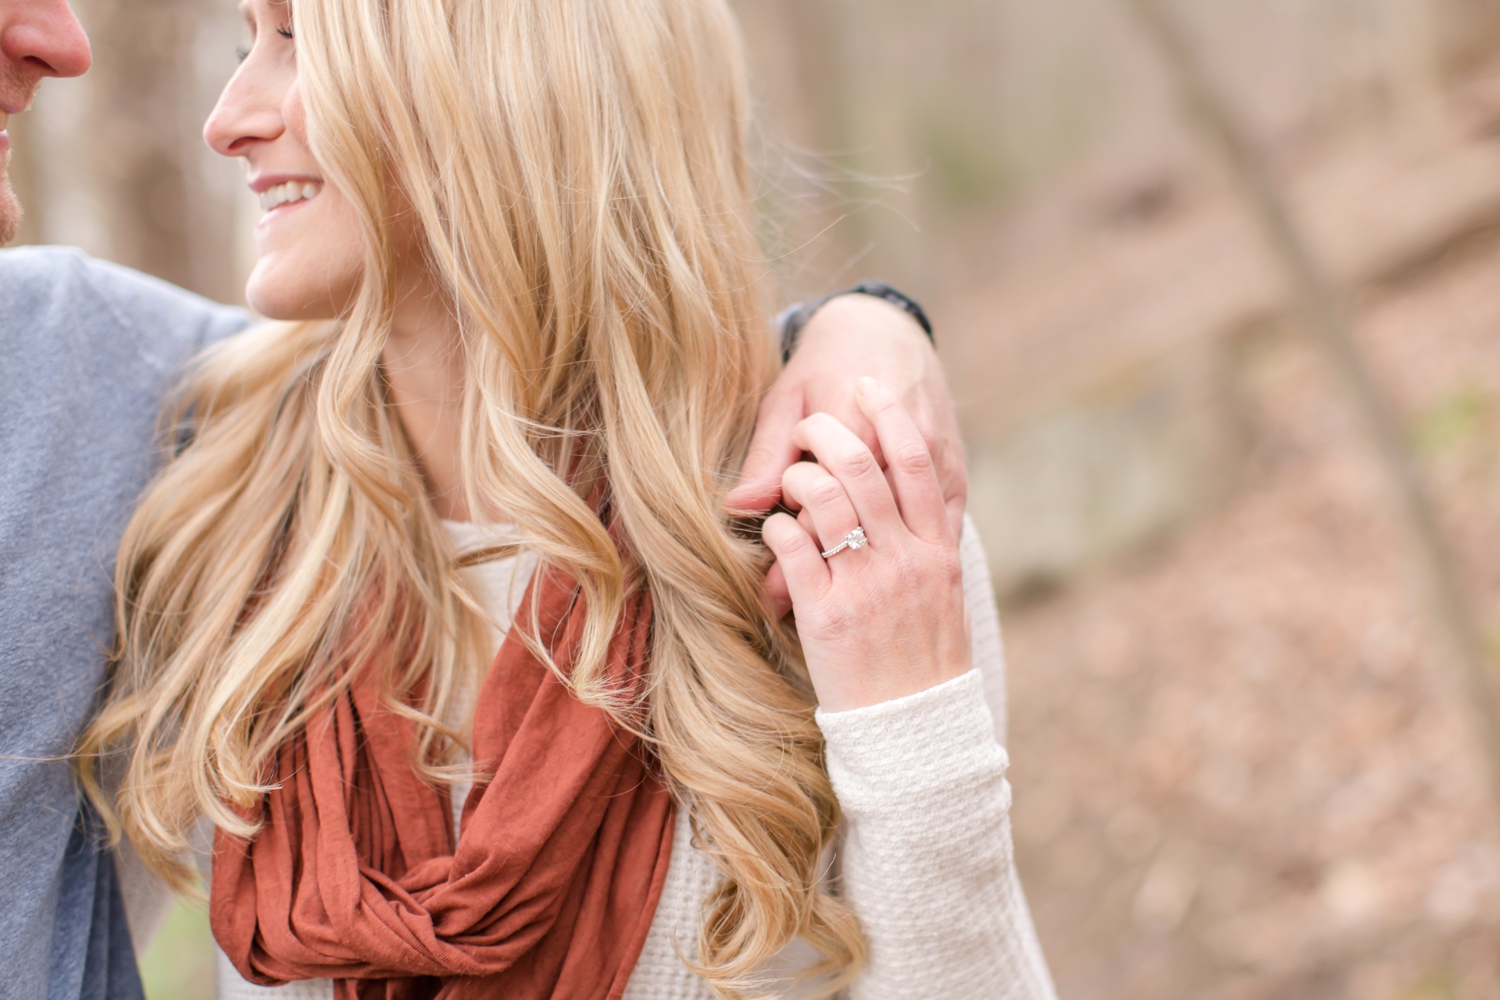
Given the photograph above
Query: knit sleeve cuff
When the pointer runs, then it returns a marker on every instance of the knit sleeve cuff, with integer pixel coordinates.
(932, 743)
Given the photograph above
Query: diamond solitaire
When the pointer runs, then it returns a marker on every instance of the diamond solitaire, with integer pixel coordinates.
(854, 541)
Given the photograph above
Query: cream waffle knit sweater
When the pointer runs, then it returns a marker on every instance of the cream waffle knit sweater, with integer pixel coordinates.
(925, 857)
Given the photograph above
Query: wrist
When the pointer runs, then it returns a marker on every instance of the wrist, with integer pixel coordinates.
(928, 756)
(856, 334)
(864, 692)
(804, 321)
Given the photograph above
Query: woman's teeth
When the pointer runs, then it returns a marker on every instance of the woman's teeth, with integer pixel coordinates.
(285, 194)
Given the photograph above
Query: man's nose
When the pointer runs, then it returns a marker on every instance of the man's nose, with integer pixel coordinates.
(42, 38)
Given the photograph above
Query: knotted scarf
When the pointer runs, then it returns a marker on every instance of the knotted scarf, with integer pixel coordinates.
(558, 866)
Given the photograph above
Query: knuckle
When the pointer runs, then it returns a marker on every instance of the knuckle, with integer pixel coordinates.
(857, 462)
(936, 566)
(908, 565)
(826, 492)
(913, 460)
(837, 619)
(783, 531)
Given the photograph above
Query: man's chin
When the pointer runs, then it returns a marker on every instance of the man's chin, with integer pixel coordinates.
(10, 213)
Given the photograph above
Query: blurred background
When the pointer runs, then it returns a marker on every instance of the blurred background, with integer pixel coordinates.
(1244, 764)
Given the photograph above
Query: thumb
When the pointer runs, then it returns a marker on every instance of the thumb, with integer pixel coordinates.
(771, 454)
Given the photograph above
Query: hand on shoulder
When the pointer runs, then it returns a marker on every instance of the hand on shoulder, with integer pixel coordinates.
(885, 617)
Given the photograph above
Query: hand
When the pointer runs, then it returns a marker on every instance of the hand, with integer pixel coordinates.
(887, 620)
(850, 337)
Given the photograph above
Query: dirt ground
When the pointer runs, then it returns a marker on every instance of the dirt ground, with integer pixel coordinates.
(1243, 765)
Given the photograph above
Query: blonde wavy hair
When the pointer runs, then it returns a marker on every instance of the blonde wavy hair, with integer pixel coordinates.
(578, 174)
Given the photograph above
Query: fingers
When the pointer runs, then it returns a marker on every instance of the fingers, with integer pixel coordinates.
(854, 466)
(953, 474)
(778, 599)
(822, 499)
(851, 416)
(939, 429)
(771, 453)
(912, 472)
(802, 564)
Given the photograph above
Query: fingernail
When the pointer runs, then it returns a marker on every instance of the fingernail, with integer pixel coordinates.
(867, 385)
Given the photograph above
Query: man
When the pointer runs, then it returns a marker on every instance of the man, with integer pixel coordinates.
(87, 349)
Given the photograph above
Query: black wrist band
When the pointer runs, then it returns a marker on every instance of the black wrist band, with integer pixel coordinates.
(796, 318)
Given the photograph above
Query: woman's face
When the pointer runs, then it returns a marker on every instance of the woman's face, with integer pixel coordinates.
(308, 240)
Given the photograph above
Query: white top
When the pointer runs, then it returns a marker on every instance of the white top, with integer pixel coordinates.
(926, 857)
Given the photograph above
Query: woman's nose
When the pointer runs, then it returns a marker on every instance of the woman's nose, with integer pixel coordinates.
(248, 111)
(42, 38)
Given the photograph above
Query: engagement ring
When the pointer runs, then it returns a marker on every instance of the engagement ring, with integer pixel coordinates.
(854, 540)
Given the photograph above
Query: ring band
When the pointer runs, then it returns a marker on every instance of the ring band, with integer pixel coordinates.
(854, 540)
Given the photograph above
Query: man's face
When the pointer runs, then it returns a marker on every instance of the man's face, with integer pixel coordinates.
(38, 38)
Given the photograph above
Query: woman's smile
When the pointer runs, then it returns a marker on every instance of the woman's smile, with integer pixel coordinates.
(280, 194)
(308, 238)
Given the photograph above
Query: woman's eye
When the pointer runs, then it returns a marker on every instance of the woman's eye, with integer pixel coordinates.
(284, 31)
(241, 53)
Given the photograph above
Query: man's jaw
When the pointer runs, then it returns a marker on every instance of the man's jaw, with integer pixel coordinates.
(16, 94)
(10, 212)
(10, 208)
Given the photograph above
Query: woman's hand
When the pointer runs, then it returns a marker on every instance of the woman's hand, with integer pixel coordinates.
(850, 337)
(886, 620)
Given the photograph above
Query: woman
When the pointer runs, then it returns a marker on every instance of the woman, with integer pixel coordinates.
(512, 244)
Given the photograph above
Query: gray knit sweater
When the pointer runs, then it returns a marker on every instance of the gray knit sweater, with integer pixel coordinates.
(86, 350)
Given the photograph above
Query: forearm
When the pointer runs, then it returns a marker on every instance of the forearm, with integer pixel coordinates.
(927, 861)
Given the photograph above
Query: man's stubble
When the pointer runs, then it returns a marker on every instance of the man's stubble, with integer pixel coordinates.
(16, 90)
(10, 211)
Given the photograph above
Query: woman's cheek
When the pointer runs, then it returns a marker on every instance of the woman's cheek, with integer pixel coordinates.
(310, 262)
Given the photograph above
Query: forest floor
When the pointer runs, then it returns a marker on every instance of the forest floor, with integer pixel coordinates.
(1243, 765)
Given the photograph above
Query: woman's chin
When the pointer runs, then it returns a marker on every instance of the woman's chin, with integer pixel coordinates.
(282, 290)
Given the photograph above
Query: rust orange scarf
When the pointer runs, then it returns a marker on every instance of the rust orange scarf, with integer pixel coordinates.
(555, 876)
